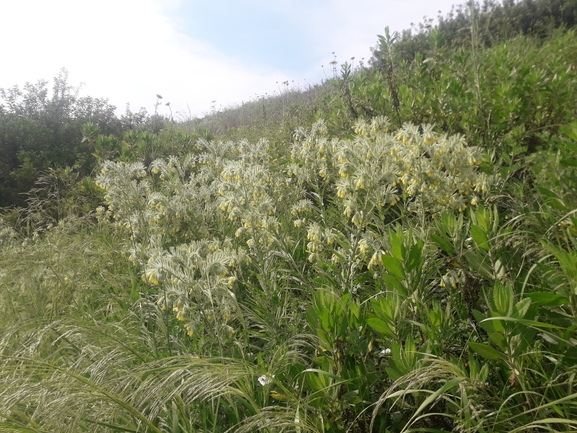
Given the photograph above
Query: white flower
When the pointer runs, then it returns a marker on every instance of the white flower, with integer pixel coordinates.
(385, 352)
(265, 379)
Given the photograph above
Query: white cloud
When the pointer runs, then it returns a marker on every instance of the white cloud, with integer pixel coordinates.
(131, 50)
(351, 28)
(125, 50)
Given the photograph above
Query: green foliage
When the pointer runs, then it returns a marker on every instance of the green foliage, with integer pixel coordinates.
(411, 271)
(526, 91)
(493, 22)
(41, 130)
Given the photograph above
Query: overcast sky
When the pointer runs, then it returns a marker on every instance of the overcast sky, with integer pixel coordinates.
(192, 52)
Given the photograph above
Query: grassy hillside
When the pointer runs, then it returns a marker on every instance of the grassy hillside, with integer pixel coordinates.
(393, 250)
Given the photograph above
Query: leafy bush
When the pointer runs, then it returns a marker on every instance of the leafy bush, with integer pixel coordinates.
(414, 272)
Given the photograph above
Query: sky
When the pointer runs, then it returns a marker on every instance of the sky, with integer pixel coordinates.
(199, 55)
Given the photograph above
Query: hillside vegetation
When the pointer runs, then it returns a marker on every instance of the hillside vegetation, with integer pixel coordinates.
(392, 250)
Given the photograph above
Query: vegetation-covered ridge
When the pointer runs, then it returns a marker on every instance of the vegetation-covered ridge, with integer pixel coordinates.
(394, 250)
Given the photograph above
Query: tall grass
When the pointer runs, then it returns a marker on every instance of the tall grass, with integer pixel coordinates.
(326, 276)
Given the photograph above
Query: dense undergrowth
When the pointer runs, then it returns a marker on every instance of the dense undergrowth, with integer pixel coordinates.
(394, 250)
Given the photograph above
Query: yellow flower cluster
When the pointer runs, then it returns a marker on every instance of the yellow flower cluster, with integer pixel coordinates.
(414, 168)
(196, 277)
(171, 209)
(312, 156)
(172, 204)
(321, 240)
(249, 193)
(453, 278)
(430, 172)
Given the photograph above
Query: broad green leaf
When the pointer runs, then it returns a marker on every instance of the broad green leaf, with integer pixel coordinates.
(477, 263)
(480, 318)
(393, 266)
(569, 162)
(380, 326)
(484, 373)
(410, 352)
(415, 255)
(435, 318)
(527, 334)
(481, 215)
(393, 283)
(473, 366)
(397, 245)
(486, 351)
(547, 192)
(570, 130)
(503, 298)
(548, 299)
(393, 371)
(378, 305)
(327, 321)
(444, 244)
(354, 309)
(557, 204)
(325, 338)
(343, 327)
(499, 269)
(497, 338)
(480, 238)
(522, 307)
(316, 382)
(499, 328)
